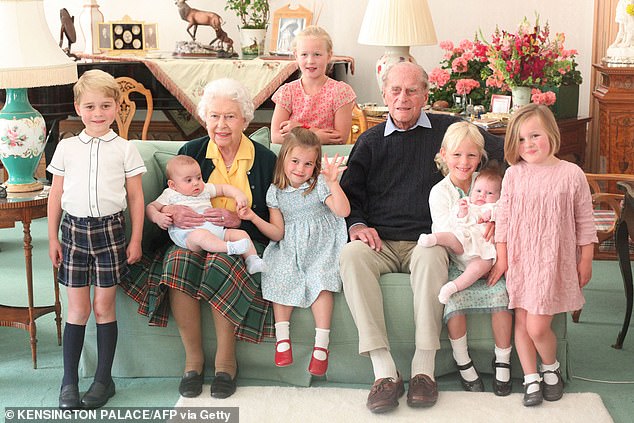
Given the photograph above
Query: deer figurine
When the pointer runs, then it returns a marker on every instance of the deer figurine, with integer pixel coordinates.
(197, 17)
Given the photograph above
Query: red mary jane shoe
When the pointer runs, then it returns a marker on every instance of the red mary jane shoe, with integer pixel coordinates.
(284, 358)
(318, 367)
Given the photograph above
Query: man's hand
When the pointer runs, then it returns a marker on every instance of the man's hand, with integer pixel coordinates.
(368, 235)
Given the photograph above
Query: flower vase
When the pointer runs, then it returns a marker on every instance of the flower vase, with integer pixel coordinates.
(521, 96)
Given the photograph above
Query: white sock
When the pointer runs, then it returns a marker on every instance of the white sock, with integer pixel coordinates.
(532, 377)
(238, 247)
(322, 339)
(550, 378)
(424, 363)
(503, 355)
(427, 240)
(383, 364)
(254, 264)
(283, 331)
(461, 355)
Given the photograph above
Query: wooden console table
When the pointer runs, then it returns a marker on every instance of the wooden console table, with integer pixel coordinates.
(573, 136)
(25, 207)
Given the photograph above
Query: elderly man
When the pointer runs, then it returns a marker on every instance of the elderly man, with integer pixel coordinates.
(390, 173)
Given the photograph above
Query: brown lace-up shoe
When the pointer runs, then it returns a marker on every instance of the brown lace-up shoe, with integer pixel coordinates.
(384, 394)
(422, 392)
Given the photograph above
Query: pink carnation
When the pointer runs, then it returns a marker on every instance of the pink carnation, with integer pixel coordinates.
(439, 77)
(464, 86)
(446, 45)
(459, 65)
(547, 98)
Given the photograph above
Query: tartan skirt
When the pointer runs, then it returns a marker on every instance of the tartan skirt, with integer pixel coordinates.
(220, 280)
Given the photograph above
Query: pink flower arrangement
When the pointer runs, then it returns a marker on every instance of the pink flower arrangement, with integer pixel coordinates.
(461, 72)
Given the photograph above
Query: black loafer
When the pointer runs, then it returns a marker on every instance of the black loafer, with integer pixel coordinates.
(191, 384)
(534, 398)
(223, 386)
(98, 395)
(556, 391)
(473, 386)
(69, 398)
(501, 389)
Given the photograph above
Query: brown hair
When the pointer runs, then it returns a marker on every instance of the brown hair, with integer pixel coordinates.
(180, 160)
(303, 138)
(97, 80)
(491, 172)
(512, 138)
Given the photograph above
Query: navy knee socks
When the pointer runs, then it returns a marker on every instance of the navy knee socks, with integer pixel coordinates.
(106, 346)
(72, 345)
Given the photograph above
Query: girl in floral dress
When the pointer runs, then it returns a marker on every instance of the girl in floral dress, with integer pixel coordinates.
(544, 235)
(307, 230)
(314, 101)
(461, 153)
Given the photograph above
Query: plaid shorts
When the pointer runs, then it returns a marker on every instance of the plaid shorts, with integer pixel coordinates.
(93, 251)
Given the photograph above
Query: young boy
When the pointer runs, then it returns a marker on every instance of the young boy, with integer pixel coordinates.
(185, 186)
(92, 174)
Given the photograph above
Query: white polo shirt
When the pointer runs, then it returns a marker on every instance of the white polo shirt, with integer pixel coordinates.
(94, 171)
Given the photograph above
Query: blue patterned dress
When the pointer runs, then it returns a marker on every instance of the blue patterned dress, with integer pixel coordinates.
(306, 261)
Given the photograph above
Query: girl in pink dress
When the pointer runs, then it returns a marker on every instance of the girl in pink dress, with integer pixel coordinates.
(314, 101)
(544, 235)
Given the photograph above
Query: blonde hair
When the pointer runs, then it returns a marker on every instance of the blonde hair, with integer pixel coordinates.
(303, 138)
(180, 160)
(97, 80)
(512, 138)
(454, 136)
(313, 31)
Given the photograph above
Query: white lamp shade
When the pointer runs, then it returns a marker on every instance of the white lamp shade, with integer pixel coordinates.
(29, 56)
(397, 23)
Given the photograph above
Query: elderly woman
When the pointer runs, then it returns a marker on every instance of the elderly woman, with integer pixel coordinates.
(226, 156)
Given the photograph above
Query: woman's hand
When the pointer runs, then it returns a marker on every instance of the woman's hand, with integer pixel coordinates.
(184, 217)
(222, 217)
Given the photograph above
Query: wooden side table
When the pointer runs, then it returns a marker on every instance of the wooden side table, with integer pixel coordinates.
(25, 207)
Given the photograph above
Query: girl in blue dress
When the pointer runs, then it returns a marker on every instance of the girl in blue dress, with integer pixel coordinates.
(307, 230)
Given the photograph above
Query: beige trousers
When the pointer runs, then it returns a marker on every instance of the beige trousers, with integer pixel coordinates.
(361, 267)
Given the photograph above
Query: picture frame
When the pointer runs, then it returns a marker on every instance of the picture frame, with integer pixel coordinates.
(127, 36)
(150, 35)
(287, 23)
(500, 103)
(105, 36)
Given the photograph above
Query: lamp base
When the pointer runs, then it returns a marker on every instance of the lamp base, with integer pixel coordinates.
(393, 54)
(22, 141)
(30, 187)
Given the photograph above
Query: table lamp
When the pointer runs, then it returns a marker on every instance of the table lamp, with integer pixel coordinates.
(29, 57)
(397, 25)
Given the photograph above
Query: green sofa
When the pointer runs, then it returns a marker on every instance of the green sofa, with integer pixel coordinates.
(145, 351)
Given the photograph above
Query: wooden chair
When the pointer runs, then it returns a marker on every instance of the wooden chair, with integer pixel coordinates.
(359, 124)
(606, 200)
(127, 108)
(608, 205)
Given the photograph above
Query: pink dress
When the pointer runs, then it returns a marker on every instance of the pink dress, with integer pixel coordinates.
(543, 215)
(316, 110)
